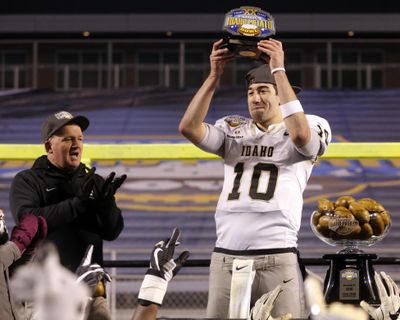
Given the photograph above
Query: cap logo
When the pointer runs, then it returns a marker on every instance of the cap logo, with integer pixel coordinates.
(63, 115)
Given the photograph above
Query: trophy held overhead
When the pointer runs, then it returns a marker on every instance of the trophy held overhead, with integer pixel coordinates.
(246, 26)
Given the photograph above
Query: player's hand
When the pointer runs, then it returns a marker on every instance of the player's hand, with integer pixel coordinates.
(162, 262)
(3, 229)
(264, 305)
(389, 296)
(91, 273)
(273, 48)
(109, 187)
(218, 58)
(335, 311)
(163, 267)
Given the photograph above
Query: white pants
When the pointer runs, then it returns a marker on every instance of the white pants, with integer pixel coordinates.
(271, 270)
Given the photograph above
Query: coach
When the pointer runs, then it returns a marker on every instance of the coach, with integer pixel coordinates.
(78, 205)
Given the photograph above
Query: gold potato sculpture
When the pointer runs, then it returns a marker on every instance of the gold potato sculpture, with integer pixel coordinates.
(364, 220)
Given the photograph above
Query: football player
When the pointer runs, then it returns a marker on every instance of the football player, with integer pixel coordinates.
(268, 159)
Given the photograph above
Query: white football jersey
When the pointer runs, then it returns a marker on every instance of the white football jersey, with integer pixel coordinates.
(261, 202)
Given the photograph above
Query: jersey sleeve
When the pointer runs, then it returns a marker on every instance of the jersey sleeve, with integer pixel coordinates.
(321, 136)
(213, 140)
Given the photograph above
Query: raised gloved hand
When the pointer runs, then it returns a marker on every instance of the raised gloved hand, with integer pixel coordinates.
(334, 311)
(86, 188)
(30, 230)
(91, 273)
(3, 229)
(389, 296)
(264, 305)
(163, 267)
(109, 187)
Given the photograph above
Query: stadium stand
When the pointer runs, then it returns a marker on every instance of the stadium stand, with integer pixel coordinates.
(151, 115)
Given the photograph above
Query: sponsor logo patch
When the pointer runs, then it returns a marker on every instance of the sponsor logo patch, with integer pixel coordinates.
(235, 121)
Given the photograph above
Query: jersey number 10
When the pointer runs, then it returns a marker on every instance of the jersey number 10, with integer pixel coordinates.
(255, 179)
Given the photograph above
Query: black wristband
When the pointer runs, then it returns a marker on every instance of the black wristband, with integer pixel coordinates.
(146, 303)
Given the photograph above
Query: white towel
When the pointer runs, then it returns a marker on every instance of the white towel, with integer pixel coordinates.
(242, 278)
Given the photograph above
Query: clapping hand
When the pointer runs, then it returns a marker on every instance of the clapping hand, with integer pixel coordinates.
(110, 186)
(97, 189)
(86, 189)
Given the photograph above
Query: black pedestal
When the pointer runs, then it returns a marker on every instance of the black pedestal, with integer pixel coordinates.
(350, 279)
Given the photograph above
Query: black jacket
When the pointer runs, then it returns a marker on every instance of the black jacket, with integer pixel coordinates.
(72, 224)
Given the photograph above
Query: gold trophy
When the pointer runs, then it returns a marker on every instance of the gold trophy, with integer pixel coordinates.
(246, 26)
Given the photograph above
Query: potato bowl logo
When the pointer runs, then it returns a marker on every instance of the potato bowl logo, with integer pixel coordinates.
(250, 22)
(343, 225)
(349, 274)
(249, 30)
(235, 121)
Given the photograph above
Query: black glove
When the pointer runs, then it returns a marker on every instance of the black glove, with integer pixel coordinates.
(162, 263)
(89, 273)
(86, 188)
(107, 190)
(163, 267)
(3, 229)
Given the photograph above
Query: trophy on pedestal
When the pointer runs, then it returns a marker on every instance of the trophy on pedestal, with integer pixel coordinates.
(352, 224)
(246, 26)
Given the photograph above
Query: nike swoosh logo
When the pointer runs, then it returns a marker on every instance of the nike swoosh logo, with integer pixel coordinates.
(155, 255)
(286, 281)
(50, 189)
(240, 268)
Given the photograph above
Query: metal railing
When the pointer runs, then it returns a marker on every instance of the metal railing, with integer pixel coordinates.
(95, 76)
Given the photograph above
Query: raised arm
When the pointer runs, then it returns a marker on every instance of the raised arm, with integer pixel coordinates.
(146, 312)
(191, 125)
(163, 267)
(296, 123)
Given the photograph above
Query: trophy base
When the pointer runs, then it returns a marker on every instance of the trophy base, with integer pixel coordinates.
(350, 278)
(245, 47)
(351, 250)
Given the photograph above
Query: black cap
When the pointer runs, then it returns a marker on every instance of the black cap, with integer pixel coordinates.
(262, 74)
(58, 120)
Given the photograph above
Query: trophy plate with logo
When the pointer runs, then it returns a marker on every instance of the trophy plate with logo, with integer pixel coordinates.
(245, 27)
